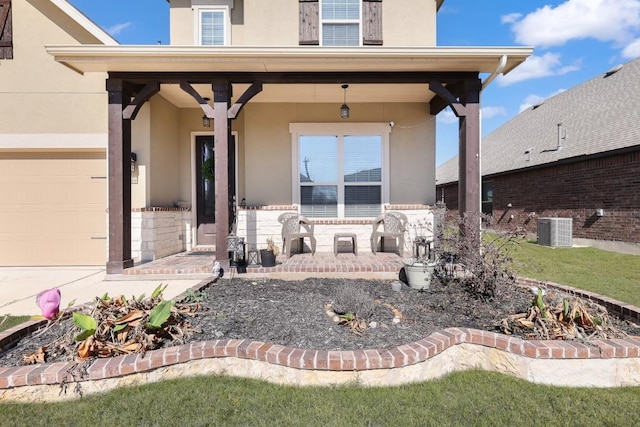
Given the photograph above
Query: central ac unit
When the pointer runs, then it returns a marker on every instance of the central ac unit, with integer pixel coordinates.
(555, 231)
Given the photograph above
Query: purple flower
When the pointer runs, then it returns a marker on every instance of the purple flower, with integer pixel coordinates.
(49, 303)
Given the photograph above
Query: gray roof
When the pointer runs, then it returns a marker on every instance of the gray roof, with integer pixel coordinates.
(600, 115)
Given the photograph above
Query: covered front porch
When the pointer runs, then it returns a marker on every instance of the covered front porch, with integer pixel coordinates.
(399, 92)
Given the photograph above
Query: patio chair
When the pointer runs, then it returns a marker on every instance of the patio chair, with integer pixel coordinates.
(284, 217)
(297, 227)
(394, 225)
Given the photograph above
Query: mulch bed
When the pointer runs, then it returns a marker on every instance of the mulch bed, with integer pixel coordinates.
(294, 313)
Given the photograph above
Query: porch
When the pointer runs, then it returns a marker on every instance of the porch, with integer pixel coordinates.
(383, 265)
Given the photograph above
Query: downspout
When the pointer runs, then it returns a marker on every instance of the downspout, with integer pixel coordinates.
(499, 69)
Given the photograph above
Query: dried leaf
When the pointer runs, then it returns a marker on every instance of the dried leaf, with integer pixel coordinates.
(38, 356)
(122, 335)
(85, 348)
(130, 317)
(526, 323)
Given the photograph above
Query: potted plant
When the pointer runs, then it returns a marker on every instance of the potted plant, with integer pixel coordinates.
(268, 256)
(419, 268)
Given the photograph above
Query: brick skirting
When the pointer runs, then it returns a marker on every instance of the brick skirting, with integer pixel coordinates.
(604, 363)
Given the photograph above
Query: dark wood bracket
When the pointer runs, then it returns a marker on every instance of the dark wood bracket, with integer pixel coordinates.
(252, 91)
(445, 98)
(131, 111)
(206, 108)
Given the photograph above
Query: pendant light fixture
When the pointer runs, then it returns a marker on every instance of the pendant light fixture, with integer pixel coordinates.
(344, 108)
(206, 121)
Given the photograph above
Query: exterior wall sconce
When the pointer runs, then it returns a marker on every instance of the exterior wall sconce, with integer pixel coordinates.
(600, 212)
(134, 161)
(206, 121)
(509, 205)
(344, 108)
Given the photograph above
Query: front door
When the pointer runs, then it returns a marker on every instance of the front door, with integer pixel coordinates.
(205, 187)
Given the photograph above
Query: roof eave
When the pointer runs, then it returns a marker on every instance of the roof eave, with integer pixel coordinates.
(99, 58)
(86, 23)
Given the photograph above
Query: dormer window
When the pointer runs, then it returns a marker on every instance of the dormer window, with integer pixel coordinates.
(340, 22)
(214, 26)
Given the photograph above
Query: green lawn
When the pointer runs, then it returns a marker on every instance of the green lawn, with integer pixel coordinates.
(469, 398)
(607, 273)
(7, 321)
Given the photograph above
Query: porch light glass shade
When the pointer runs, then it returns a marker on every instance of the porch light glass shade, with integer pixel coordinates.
(344, 108)
(344, 111)
(206, 121)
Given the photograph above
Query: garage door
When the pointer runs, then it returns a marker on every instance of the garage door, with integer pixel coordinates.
(52, 209)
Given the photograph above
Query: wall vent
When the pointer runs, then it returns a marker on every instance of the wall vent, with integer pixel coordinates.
(555, 231)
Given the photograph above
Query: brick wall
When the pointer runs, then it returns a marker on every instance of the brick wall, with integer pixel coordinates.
(573, 190)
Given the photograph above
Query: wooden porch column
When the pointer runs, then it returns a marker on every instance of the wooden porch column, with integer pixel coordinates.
(222, 129)
(469, 156)
(119, 164)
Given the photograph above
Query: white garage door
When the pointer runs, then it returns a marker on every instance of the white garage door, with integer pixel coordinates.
(52, 209)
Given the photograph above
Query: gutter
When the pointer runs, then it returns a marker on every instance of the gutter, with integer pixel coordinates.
(498, 70)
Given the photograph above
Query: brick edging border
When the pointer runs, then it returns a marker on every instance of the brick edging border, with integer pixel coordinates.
(323, 360)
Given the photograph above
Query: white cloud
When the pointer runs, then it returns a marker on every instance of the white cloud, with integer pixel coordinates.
(632, 50)
(510, 18)
(535, 67)
(118, 28)
(447, 117)
(534, 99)
(605, 20)
(489, 112)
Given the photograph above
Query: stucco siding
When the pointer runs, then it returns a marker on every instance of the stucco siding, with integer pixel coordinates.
(275, 22)
(164, 176)
(33, 84)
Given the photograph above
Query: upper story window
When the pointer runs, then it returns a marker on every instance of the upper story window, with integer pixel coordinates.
(340, 22)
(214, 26)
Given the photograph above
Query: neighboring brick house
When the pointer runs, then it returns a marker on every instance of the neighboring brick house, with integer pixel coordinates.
(272, 133)
(575, 155)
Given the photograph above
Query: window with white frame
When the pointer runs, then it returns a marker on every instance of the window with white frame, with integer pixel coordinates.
(214, 26)
(340, 174)
(340, 22)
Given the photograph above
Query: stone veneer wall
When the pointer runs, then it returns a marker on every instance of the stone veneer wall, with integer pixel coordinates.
(596, 363)
(159, 232)
(257, 223)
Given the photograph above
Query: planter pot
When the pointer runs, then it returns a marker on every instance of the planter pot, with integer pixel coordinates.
(267, 258)
(418, 274)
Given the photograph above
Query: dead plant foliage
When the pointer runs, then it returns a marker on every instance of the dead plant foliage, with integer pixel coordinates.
(120, 326)
(572, 319)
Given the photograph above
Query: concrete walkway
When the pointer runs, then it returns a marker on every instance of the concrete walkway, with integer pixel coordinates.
(20, 285)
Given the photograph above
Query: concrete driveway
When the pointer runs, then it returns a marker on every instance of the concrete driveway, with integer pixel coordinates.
(20, 285)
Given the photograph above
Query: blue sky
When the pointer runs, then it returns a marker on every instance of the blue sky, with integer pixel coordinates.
(574, 40)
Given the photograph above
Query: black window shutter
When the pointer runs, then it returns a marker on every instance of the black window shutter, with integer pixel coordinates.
(372, 22)
(6, 39)
(309, 33)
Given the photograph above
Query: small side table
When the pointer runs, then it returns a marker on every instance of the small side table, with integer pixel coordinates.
(338, 236)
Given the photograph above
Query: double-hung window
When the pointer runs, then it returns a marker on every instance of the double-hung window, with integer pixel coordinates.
(214, 26)
(340, 171)
(340, 22)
